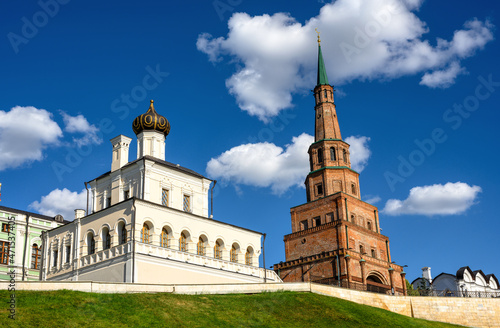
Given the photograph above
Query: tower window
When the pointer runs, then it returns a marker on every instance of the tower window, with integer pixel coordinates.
(326, 94)
(303, 225)
(369, 225)
(319, 189)
(353, 188)
(373, 253)
(344, 152)
(317, 221)
(361, 249)
(333, 156)
(320, 155)
(126, 194)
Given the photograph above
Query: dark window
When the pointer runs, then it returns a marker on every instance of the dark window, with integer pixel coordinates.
(108, 202)
(317, 221)
(303, 225)
(126, 194)
(123, 236)
(107, 239)
(373, 253)
(353, 188)
(369, 225)
(344, 153)
(54, 260)
(361, 249)
(319, 189)
(5, 227)
(91, 244)
(320, 155)
(326, 95)
(332, 154)
(68, 253)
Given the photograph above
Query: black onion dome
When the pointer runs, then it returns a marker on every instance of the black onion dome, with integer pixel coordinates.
(151, 120)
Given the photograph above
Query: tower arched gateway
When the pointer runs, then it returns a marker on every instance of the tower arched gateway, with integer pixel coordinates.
(335, 235)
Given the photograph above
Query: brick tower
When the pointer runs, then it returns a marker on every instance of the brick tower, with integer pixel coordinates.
(336, 236)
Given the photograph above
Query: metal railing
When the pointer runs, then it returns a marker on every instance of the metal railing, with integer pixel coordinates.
(352, 285)
(452, 293)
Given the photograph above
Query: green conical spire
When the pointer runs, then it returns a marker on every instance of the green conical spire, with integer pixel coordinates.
(322, 77)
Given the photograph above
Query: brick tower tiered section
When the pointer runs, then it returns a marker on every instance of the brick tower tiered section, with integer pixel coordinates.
(335, 235)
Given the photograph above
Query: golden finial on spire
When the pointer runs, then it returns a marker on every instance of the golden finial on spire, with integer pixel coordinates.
(319, 40)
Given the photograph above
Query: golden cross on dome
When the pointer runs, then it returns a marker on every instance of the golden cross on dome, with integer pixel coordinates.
(319, 40)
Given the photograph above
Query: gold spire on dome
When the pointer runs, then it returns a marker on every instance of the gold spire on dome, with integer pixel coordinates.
(151, 120)
(319, 40)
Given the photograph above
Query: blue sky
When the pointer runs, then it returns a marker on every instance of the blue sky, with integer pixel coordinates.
(417, 96)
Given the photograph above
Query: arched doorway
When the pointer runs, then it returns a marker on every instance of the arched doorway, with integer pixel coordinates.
(375, 282)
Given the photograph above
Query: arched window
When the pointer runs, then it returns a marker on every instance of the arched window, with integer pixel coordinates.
(182, 243)
(90, 243)
(145, 234)
(326, 94)
(122, 233)
(218, 250)
(320, 155)
(344, 152)
(234, 253)
(164, 238)
(201, 248)
(249, 256)
(369, 225)
(333, 156)
(361, 249)
(106, 238)
(353, 189)
(36, 254)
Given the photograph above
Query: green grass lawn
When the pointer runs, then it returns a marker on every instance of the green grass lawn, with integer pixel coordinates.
(280, 309)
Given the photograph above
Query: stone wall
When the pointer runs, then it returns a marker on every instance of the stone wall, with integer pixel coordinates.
(475, 312)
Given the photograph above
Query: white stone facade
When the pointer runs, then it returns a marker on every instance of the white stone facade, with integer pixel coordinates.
(149, 223)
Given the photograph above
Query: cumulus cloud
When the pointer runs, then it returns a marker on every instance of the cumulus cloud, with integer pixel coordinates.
(62, 202)
(24, 133)
(359, 151)
(449, 199)
(275, 56)
(264, 164)
(79, 124)
(442, 78)
(267, 165)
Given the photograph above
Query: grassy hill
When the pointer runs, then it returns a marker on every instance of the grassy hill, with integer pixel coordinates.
(280, 309)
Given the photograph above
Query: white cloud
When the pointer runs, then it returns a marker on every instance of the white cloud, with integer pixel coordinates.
(276, 56)
(62, 202)
(442, 78)
(79, 124)
(372, 199)
(438, 199)
(24, 133)
(267, 165)
(264, 164)
(360, 153)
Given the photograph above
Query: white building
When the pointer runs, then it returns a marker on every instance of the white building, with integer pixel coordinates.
(464, 283)
(149, 223)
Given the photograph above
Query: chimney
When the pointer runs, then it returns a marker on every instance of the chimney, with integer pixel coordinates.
(121, 145)
(426, 273)
(79, 214)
